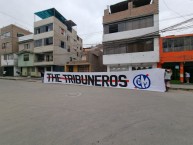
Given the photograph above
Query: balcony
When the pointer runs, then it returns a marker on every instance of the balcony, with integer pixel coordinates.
(9, 60)
(43, 49)
(44, 59)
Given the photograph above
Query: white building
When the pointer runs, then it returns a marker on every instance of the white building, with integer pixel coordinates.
(131, 35)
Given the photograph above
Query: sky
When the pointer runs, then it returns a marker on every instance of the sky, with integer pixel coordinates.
(87, 14)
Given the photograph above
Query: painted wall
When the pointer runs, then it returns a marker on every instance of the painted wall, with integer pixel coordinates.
(30, 73)
(9, 62)
(22, 63)
(181, 56)
(24, 71)
(60, 55)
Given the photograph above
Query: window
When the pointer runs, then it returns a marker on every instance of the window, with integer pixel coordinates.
(149, 21)
(40, 57)
(26, 57)
(48, 41)
(26, 46)
(49, 27)
(179, 44)
(68, 49)
(5, 57)
(106, 29)
(70, 58)
(132, 24)
(33, 69)
(68, 38)
(38, 43)
(62, 31)
(43, 29)
(148, 45)
(139, 46)
(121, 27)
(6, 35)
(83, 68)
(5, 45)
(170, 45)
(113, 28)
(49, 57)
(136, 24)
(129, 25)
(20, 35)
(48, 69)
(63, 44)
(10, 56)
(37, 30)
(187, 43)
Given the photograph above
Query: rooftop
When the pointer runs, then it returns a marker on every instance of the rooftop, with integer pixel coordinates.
(122, 6)
(53, 12)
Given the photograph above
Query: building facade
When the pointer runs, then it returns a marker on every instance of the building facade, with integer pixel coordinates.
(55, 41)
(176, 53)
(9, 48)
(26, 56)
(92, 61)
(131, 35)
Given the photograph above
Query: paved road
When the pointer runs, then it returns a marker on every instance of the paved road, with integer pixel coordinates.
(32, 113)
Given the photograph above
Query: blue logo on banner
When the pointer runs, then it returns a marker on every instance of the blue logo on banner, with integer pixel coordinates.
(142, 81)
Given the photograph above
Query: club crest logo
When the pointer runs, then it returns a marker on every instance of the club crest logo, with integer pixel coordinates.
(142, 81)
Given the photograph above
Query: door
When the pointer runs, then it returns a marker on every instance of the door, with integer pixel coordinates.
(71, 69)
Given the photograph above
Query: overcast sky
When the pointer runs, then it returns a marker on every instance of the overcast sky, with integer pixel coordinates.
(87, 14)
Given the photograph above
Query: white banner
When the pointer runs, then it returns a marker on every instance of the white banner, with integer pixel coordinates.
(150, 80)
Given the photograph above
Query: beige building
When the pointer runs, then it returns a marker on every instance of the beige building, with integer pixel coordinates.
(55, 41)
(9, 47)
(92, 61)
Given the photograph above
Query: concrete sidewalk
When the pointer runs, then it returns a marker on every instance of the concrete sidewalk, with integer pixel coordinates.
(186, 87)
(21, 78)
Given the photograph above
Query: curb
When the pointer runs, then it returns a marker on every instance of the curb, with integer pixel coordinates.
(184, 89)
(28, 80)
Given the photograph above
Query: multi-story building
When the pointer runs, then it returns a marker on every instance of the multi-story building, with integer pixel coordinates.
(55, 41)
(26, 56)
(131, 35)
(91, 61)
(176, 53)
(9, 48)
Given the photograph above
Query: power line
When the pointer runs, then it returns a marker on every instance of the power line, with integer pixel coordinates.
(161, 31)
(16, 19)
(173, 10)
(99, 32)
